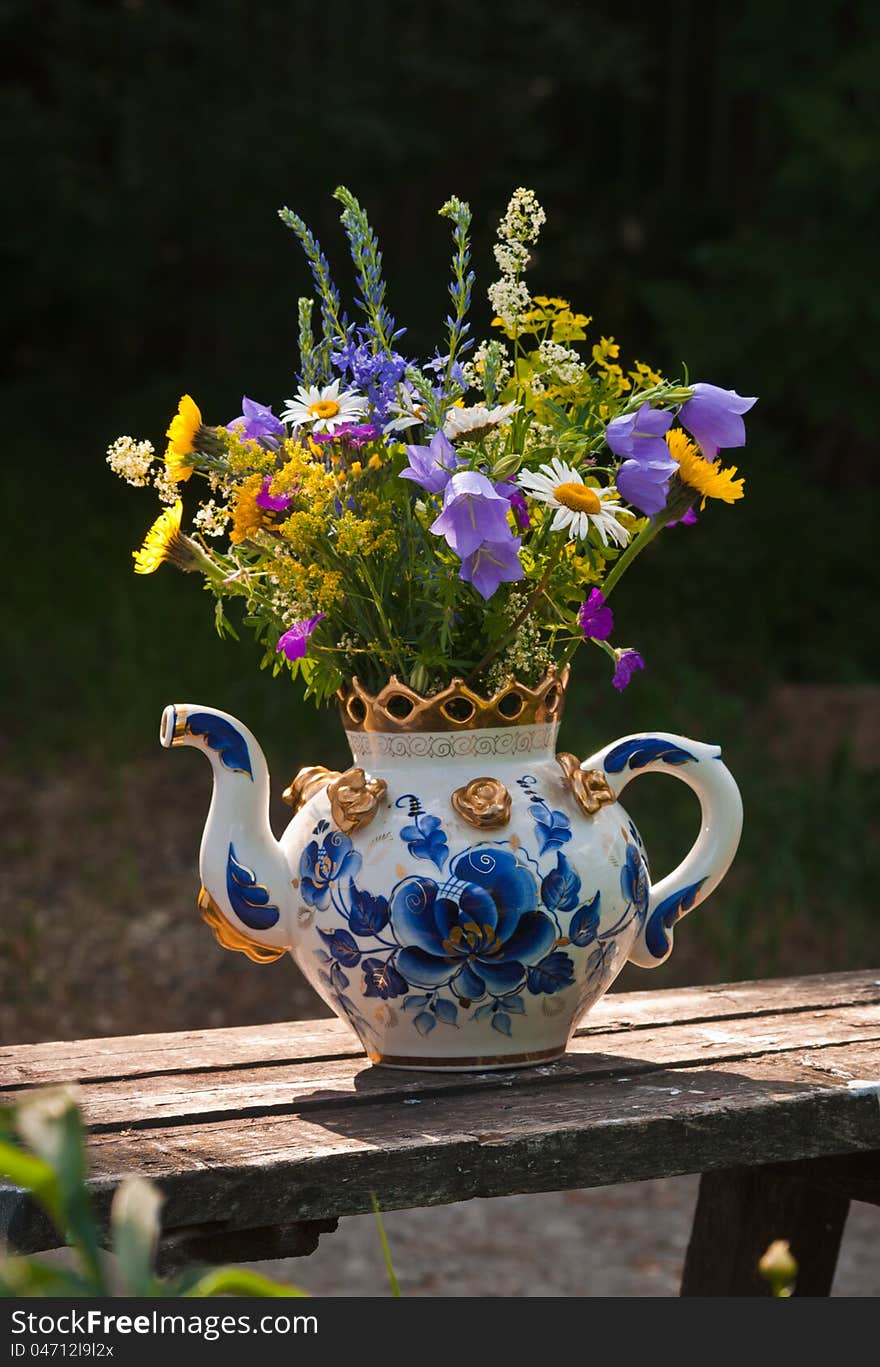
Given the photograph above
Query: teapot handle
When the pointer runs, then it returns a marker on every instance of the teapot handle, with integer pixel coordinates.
(708, 860)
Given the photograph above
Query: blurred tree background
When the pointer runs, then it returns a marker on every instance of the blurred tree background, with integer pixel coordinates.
(711, 176)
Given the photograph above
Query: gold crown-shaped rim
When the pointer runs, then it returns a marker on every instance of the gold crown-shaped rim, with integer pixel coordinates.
(398, 708)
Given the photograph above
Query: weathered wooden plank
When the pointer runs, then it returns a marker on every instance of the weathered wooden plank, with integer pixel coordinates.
(199, 1097)
(740, 1212)
(134, 1055)
(324, 1164)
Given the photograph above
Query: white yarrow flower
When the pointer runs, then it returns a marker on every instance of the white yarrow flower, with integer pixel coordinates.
(579, 506)
(324, 409)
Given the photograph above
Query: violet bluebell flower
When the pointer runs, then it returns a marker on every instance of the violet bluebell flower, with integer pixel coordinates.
(643, 478)
(274, 503)
(596, 620)
(472, 513)
(714, 418)
(491, 564)
(295, 641)
(628, 661)
(433, 465)
(256, 421)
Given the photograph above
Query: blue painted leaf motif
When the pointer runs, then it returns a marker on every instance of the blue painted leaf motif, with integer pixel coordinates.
(426, 839)
(516, 1005)
(665, 915)
(417, 1003)
(226, 739)
(248, 898)
(551, 974)
(585, 924)
(369, 914)
(561, 887)
(446, 1011)
(552, 828)
(425, 1022)
(644, 750)
(483, 1011)
(381, 979)
(342, 946)
(338, 979)
(501, 1023)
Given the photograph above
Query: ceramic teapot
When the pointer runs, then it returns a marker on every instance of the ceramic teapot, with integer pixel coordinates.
(462, 894)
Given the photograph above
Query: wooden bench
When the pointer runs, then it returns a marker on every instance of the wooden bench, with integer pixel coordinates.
(262, 1137)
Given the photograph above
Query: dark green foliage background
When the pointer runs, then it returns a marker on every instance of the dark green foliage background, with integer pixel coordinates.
(711, 175)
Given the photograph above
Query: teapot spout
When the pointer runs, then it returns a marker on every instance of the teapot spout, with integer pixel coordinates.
(245, 893)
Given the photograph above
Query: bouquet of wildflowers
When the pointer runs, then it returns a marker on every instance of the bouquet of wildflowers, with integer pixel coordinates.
(468, 515)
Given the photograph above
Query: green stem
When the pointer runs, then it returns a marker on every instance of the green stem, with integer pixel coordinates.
(644, 538)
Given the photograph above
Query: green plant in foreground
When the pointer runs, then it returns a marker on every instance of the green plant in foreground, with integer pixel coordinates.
(55, 1173)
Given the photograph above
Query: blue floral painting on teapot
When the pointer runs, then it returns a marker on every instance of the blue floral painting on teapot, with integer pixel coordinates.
(490, 934)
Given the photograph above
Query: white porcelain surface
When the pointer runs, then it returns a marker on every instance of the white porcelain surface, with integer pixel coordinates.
(445, 945)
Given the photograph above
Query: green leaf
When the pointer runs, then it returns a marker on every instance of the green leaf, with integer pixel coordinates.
(30, 1277)
(134, 1220)
(234, 1281)
(33, 1175)
(386, 1251)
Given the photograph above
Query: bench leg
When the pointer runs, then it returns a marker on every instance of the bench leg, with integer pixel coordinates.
(742, 1210)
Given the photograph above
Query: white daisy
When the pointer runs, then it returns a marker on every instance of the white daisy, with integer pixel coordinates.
(579, 506)
(463, 421)
(324, 409)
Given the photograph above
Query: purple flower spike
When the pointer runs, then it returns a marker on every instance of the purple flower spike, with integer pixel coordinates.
(472, 513)
(714, 418)
(274, 503)
(688, 519)
(432, 466)
(491, 564)
(295, 641)
(643, 478)
(627, 664)
(597, 620)
(256, 420)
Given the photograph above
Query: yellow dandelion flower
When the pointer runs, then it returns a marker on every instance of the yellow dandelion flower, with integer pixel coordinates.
(159, 541)
(181, 438)
(707, 477)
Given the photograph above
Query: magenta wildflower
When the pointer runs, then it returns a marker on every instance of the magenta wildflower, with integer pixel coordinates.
(491, 564)
(472, 513)
(596, 620)
(628, 661)
(273, 503)
(714, 417)
(357, 434)
(517, 500)
(295, 641)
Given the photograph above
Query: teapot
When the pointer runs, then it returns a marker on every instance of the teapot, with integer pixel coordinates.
(462, 894)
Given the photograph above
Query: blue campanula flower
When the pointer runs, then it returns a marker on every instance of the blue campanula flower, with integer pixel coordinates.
(714, 417)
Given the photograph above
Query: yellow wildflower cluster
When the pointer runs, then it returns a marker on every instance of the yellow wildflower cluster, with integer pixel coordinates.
(318, 589)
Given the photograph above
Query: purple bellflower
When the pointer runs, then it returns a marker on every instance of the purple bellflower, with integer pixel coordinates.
(295, 641)
(628, 661)
(596, 620)
(643, 478)
(256, 421)
(714, 418)
(274, 503)
(491, 564)
(472, 513)
(432, 466)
